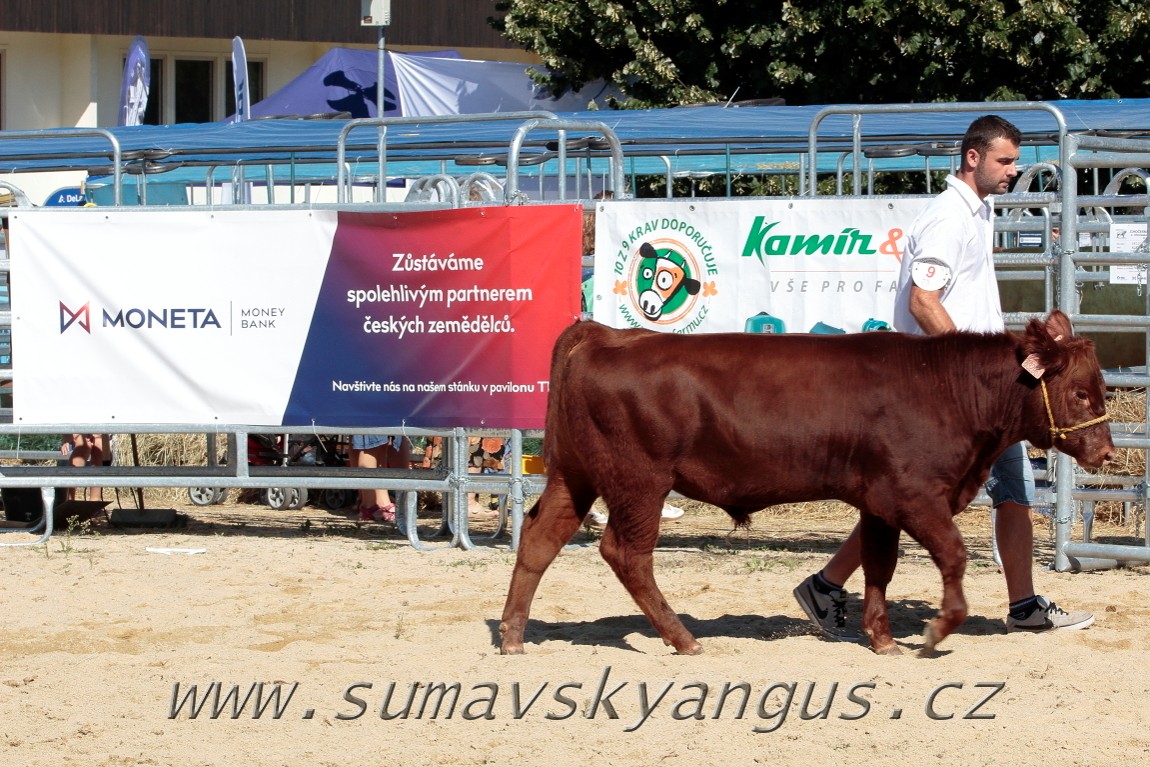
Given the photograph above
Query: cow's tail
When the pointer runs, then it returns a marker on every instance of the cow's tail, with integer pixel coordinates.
(565, 345)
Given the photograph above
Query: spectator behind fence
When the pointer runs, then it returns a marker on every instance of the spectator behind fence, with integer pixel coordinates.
(485, 455)
(87, 450)
(378, 451)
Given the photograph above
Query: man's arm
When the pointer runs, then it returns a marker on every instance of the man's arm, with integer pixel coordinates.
(927, 310)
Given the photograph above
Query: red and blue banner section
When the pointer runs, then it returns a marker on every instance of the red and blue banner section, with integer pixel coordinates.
(429, 319)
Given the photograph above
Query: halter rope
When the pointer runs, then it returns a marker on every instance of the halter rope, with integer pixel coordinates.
(1061, 431)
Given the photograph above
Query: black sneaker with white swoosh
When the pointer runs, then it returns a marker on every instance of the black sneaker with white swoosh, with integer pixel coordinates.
(827, 611)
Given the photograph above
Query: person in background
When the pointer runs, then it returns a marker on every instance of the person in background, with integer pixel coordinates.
(378, 451)
(87, 450)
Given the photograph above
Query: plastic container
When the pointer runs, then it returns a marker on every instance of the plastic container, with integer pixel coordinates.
(872, 325)
(764, 323)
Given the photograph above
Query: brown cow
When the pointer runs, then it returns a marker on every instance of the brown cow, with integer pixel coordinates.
(902, 427)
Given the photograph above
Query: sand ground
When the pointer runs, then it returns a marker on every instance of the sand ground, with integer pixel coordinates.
(169, 647)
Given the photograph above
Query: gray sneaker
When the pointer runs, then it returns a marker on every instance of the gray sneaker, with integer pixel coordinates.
(826, 611)
(1048, 616)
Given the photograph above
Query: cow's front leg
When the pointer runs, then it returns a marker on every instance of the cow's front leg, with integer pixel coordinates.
(628, 544)
(879, 555)
(940, 536)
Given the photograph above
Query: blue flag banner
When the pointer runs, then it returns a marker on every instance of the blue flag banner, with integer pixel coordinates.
(137, 81)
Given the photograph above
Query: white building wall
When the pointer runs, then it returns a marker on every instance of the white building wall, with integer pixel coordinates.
(35, 67)
(70, 81)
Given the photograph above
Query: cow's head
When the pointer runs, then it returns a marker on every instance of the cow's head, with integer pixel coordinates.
(660, 279)
(1071, 415)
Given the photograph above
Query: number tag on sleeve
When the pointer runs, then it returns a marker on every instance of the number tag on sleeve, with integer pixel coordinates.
(929, 274)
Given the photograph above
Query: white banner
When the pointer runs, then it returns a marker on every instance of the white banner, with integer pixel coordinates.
(427, 318)
(1127, 238)
(704, 266)
(196, 310)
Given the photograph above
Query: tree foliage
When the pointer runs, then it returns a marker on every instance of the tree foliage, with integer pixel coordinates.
(672, 52)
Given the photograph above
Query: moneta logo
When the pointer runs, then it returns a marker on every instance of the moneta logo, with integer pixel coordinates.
(81, 317)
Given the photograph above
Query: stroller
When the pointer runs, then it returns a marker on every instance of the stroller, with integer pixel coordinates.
(265, 450)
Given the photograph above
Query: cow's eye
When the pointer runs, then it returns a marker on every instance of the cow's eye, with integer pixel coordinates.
(664, 280)
(1083, 396)
(648, 273)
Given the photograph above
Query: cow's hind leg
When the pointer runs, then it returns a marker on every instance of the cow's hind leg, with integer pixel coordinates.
(549, 525)
(879, 543)
(940, 537)
(628, 545)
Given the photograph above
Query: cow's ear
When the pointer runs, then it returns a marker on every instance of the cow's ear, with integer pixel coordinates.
(1043, 346)
(1058, 326)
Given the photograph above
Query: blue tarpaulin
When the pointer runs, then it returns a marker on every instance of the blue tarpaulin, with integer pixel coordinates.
(745, 139)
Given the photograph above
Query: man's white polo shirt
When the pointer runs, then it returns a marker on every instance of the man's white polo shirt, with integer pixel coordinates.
(955, 232)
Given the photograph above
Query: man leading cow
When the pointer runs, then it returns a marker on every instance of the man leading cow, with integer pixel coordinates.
(947, 282)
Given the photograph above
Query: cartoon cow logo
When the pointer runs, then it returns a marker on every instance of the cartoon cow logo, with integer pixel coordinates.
(663, 281)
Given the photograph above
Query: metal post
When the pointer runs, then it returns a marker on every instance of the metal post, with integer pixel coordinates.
(380, 67)
(515, 495)
(1068, 302)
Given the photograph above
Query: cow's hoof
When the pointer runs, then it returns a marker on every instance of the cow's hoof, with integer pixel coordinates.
(931, 636)
(511, 649)
(887, 649)
(694, 648)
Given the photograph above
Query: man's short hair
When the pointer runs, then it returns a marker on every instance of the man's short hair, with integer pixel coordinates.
(983, 131)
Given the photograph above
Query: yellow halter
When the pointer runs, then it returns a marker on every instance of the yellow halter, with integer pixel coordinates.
(1061, 431)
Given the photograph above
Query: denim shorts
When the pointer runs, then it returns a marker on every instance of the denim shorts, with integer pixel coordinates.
(1011, 478)
(368, 441)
